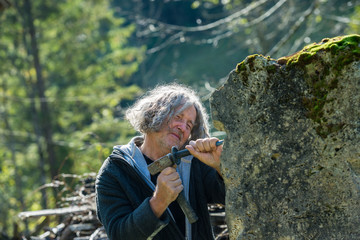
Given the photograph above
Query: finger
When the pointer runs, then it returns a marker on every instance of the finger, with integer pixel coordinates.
(175, 193)
(179, 189)
(193, 151)
(174, 187)
(177, 182)
(193, 144)
(168, 186)
(168, 171)
(173, 176)
(167, 175)
(213, 142)
(206, 144)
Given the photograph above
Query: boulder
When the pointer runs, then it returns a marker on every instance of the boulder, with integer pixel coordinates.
(291, 159)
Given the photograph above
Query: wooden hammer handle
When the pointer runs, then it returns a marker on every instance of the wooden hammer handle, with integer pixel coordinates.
(186, 208)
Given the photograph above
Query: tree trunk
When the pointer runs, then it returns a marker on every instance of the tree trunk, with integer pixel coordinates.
(10, 142)
(45, 117)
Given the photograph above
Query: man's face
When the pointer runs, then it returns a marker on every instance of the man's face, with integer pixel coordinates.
(176, 131)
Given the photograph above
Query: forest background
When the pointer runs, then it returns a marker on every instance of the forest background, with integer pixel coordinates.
(69, 69)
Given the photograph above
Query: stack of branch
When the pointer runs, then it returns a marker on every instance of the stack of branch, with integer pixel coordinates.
(217, 218)
(77, 214)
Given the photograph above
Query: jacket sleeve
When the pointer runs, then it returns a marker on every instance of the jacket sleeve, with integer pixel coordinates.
(124, 218)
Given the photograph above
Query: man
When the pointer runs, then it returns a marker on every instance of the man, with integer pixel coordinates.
(131, 204)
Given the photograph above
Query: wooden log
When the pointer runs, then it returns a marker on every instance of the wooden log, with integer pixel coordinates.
(55, 211)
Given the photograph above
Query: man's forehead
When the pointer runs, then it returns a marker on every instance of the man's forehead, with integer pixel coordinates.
(188, 110)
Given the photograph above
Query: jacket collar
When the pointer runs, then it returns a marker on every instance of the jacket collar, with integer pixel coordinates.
(133, 155)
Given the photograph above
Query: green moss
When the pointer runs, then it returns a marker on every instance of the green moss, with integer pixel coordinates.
(240, 67)
(242, 70)
(249, 63)
(271, 68)
(349, 43)
(322, 63)
(249, 60)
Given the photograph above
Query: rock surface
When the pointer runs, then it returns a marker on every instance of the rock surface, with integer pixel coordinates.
(291, 159)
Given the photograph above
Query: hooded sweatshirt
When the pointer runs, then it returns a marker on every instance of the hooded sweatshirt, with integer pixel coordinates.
(124, 188)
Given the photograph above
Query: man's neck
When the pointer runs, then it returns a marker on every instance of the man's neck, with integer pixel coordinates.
(151, 149)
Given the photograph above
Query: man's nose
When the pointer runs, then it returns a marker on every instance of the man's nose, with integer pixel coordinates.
(181, 126)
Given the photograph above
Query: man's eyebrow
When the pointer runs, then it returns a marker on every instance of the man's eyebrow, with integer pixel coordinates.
(192, 123)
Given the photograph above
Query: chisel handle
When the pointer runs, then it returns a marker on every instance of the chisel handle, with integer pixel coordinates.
(186, 208)
(177, 155)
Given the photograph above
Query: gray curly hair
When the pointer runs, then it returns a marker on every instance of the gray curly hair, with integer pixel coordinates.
(159, 105)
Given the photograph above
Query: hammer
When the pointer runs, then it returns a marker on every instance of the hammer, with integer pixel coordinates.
(169, 160)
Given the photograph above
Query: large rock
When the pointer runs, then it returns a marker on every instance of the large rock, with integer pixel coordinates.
(291, 159)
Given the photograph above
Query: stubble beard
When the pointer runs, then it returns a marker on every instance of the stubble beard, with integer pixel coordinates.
(169, 145)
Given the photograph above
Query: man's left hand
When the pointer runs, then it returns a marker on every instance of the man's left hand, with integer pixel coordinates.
(205, 150)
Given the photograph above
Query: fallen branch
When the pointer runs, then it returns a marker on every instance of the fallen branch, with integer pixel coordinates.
(55, 211)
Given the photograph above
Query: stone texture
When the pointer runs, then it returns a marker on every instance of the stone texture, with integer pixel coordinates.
(291, 159)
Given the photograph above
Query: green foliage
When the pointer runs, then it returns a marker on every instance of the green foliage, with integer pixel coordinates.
(86, 63)
(354, 26)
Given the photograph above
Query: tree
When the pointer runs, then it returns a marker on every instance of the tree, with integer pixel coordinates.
(65, 76)
(206, 42)
(353, 21)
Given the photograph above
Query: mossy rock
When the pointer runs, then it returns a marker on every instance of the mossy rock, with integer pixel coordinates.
(347, 47)
(322, 64)
(290, 161)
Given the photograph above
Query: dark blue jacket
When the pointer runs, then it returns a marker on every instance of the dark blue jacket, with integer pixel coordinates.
(124, 190)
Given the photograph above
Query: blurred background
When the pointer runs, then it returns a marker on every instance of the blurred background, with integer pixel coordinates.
(69, 69)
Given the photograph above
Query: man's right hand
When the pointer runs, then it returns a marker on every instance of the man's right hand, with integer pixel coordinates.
(167, 189)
